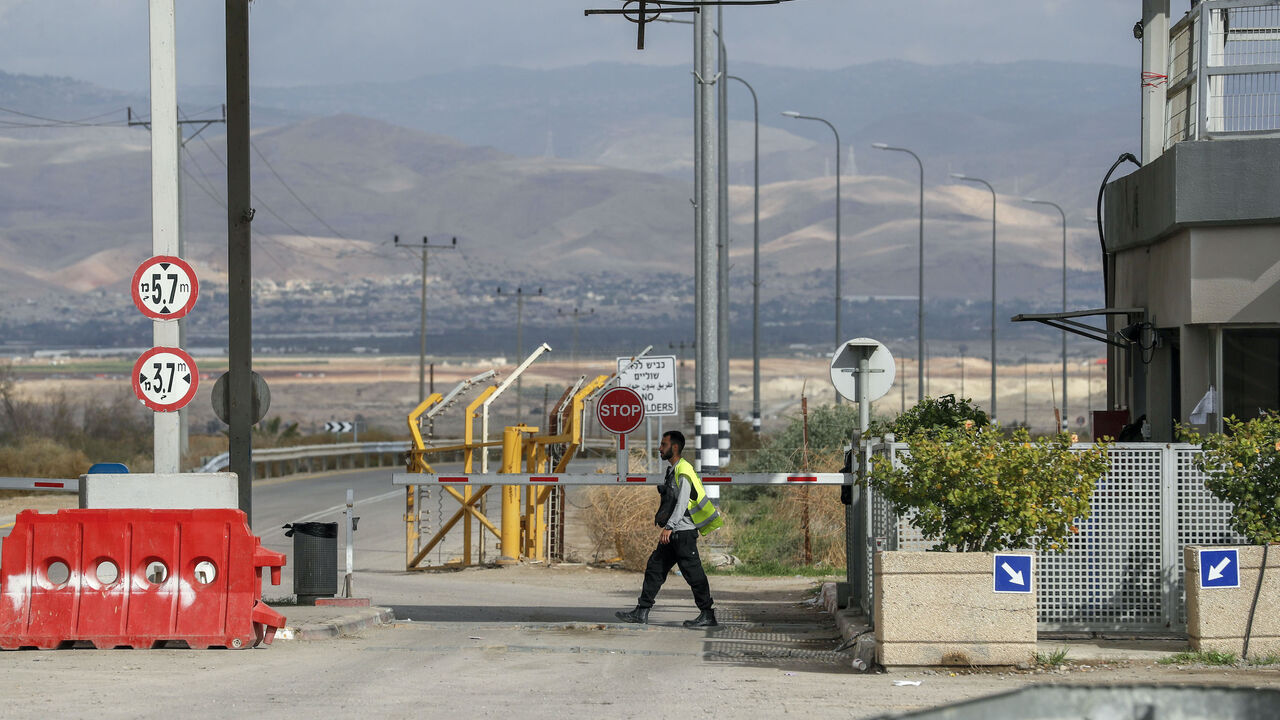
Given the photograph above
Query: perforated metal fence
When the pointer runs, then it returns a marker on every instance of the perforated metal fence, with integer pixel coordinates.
(1124, 571)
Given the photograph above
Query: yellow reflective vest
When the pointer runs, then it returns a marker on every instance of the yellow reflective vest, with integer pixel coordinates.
(704, 515)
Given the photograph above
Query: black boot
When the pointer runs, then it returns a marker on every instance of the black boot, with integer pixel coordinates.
(638, 615)
(705, 619)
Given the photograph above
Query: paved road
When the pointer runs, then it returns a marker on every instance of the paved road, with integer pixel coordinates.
(529, 641)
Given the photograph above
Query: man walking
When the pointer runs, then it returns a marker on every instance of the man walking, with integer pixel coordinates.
(685, 513)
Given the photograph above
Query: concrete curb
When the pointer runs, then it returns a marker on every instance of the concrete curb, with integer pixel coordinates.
(337, 627)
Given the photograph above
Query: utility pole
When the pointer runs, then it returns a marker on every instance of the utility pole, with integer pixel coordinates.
(722, 223)
(520, 347)
(573, 346)
(165, 213)
(239, 255)
(425, 249)
(183, 428)
(708, 402)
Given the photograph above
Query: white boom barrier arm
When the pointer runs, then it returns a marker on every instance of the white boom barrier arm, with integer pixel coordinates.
(800, 479)
(484, 418)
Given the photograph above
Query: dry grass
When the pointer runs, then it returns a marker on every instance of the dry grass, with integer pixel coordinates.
(621, 523)
(41, 458)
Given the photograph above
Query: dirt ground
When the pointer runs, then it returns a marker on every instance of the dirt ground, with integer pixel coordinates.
(383, 389)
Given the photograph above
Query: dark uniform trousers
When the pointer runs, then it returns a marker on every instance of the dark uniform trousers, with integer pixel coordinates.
(681, 551)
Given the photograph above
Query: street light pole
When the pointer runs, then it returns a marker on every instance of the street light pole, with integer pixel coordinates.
(839, 297)
(755, 266)
(1064, 297)
(722, 225)
(968, 178)
(920, 275)
(425, 249)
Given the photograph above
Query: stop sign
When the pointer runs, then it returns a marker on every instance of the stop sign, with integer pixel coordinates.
(620, 410)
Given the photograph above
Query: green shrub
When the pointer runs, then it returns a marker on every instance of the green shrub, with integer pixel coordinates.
(974, 490)
(1243, 468)
(930, 414)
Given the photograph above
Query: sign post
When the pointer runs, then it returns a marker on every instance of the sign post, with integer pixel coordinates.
(620, 410)
(862, 370)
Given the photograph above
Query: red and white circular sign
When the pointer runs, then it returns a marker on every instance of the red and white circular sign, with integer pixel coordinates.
(620, 410)
(165, 379)
(164, 287)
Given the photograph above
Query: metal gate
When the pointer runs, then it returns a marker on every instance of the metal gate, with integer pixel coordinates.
(1124, 571)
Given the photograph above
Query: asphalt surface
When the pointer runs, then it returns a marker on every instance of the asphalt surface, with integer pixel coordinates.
(526, 641)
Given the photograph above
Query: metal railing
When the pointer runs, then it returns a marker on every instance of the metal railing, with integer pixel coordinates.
(270, 462)
(1224, 71)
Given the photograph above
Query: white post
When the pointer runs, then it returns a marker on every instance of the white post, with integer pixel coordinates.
(347, 585)
(623, 465)
(164, 199)
(648, 444)
(1155, 65)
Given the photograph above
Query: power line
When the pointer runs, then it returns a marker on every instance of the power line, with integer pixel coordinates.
(291, 192)
(56, 122)
(223, 205)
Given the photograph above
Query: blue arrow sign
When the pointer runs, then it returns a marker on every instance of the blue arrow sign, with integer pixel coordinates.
(1013, 573)
(1219, 568)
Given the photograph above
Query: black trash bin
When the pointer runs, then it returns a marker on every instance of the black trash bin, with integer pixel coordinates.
(315, 560)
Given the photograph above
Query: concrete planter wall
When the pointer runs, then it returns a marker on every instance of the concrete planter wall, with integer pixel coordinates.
(1217, 617)
(939, 608)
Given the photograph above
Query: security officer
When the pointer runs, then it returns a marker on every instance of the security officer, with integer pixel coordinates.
(688, 513)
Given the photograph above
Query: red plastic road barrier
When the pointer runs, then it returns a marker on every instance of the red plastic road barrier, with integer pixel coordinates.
(135, 578)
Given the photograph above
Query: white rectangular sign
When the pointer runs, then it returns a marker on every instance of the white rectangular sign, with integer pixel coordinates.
(654, 377)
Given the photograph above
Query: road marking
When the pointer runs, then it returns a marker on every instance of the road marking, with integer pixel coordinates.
(343, 506)
(7, 525)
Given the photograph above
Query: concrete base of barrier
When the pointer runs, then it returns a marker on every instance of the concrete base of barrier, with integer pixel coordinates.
(160, 491)
(939, 608)
(1217, 617)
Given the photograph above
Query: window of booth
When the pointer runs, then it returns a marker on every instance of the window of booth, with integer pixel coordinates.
(1250, 371)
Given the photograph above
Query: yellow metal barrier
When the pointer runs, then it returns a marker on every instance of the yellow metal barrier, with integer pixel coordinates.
(523, 530)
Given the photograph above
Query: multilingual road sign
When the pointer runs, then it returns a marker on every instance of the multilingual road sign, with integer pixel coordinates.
(654, 378)
(164, 287)
(165, 378)
(1220, 568)
(1013, 573)
(620, 410)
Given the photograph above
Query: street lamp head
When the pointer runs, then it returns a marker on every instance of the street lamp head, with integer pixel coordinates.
(960, 176)
(1030, 200)
(791, 113)
(880, 146)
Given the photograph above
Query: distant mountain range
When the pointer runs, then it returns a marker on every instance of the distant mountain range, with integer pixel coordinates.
(561, 176)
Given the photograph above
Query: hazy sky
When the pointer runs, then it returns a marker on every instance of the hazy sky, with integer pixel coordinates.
(305, 42)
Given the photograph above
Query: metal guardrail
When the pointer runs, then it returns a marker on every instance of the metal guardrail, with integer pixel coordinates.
(308, 456)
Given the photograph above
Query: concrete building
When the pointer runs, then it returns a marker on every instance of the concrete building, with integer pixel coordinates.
(1192, 238)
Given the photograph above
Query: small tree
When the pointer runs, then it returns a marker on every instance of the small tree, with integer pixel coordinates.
(975, 490)
(1243, 468)
(931, 413)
